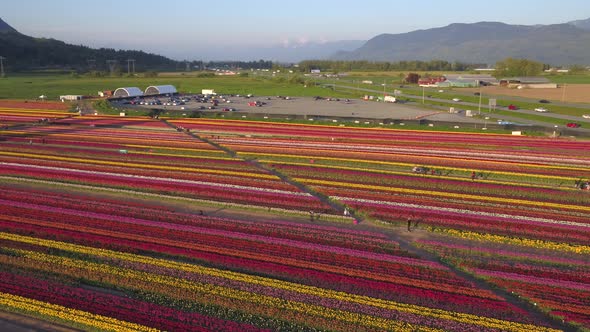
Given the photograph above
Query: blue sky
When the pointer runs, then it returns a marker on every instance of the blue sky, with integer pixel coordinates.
(180, 29)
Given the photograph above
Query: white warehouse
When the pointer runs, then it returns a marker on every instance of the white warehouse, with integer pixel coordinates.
(127, 92)
(160, 90)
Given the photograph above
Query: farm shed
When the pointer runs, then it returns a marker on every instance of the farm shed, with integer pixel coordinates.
(127, 92)
(528, 82)
(160, 90)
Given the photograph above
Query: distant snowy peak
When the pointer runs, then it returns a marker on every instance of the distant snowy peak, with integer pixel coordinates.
(581, 24)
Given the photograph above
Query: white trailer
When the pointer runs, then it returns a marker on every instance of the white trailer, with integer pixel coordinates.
(389, 99)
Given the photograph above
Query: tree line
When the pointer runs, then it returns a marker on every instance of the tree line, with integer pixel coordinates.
(363, 65)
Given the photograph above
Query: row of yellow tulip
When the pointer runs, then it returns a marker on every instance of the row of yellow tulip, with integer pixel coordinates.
(202, 291)
(376, 171)
(250, 297)
(248, 278)
(144, 166)
(444, 194)
(568, 247)
(101, 138)
(391, 163)
(133, 193)
(425, 160)
(12, 111)
(53, 311)
(245, 123)
(205, 154)
(170, 148)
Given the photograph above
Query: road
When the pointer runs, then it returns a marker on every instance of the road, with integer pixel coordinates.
(475, 106)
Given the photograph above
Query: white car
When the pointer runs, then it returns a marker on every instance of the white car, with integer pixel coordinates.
(586, 116)
(456, 99)
(541, 109)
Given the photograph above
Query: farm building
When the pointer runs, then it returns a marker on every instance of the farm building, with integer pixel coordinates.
(127, 92)
(160, 90)
(431, 81)
(459, 83)
(470, 80)
(528, 83)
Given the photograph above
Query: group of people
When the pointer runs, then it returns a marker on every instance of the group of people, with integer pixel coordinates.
(475, 175)
(181, 129)
(410, 224)
(313, 216)
(583, 185)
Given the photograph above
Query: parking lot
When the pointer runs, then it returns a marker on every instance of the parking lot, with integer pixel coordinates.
(300, 106)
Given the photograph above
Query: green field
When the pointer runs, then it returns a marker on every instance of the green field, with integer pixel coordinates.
(570, 79)
(31, 87)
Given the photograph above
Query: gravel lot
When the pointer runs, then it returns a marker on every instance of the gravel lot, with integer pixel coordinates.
(306, 106)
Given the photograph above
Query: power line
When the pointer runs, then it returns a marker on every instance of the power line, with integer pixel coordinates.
(130, 61)
(112, 64)
(2, 66)
(91, 64)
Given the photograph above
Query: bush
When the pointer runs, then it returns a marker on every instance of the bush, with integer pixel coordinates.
(206, 75)
(150, 73)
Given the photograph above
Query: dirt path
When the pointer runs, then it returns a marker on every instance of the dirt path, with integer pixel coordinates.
(19, 323)
(406, 237)
(339, 207)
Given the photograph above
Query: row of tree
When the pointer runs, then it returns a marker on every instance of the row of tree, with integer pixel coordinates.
(361, 65)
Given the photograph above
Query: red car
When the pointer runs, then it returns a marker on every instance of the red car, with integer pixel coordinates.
(573, 125)
(512, 107)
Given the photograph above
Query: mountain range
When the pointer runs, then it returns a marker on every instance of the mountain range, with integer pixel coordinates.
(483, 42)
(24, 52)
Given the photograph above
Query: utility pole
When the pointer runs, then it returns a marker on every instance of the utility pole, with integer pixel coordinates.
(2, 66)
(130, 61)
(479, 107)
(91, 64)
(423, 94)
(111, 64)
(563, 95)
(384, 83)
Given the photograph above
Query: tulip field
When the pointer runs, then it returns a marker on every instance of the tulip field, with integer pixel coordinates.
(102, 227)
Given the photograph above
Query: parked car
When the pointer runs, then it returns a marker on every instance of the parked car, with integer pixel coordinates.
(586, 116)
(512, 107)
(505, 123)
(541, 109)
(456, 99)
(573, 125)
(544, 101)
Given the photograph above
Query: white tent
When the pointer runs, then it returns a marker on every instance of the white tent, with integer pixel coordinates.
(160, 90)
(128, 92)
